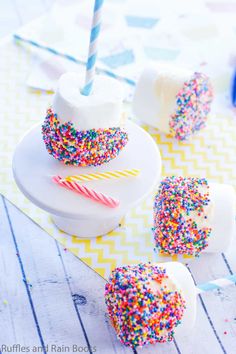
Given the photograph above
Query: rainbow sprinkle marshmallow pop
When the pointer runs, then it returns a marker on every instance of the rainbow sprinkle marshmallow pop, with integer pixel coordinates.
(192, 215)
(85, 130)
(174, 100)
(149, 303)
(84, 125)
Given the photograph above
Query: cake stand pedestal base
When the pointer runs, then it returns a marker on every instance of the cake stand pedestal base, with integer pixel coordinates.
(33, 169)
(86, 227)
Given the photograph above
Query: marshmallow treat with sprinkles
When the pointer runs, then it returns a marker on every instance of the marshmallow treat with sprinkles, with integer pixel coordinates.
(192, 215)
(85, 130)
(149, 303)
(174, 100)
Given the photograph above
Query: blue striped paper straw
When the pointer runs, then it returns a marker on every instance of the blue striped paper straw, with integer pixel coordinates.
(93, 48)
(72, 58)
(217, 284)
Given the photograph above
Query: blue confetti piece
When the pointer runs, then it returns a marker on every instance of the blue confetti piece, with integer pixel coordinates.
(234, 90)
(142, 22)
(116, 60)
(161, 53)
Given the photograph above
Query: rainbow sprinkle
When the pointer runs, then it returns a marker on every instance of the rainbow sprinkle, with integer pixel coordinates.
(81, 148)
(140, 314)
(193, 105)
(178, 204)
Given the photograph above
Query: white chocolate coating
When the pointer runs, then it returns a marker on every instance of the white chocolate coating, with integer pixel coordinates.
(101, 109)
(222, 222)
(155, 95)
(220, 214)
(183, 281)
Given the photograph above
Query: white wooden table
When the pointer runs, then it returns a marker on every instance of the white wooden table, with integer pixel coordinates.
(51, 300)
(49, 297)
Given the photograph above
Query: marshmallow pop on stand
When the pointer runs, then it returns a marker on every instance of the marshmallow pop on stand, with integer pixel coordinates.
(85, 132)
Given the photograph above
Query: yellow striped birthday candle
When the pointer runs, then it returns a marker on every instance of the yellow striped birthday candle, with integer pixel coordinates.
(104, 175)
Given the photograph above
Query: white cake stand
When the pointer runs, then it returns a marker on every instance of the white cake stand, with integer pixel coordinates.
(33, 168)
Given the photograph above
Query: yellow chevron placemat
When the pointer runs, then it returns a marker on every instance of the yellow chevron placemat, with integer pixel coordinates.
(211, 154)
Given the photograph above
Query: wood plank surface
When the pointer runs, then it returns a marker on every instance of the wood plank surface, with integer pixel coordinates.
(50, 294)
(58, 298)
(15, 303)
(47, 292)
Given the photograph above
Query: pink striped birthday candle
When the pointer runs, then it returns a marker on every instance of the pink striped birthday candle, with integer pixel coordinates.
(87, 192)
